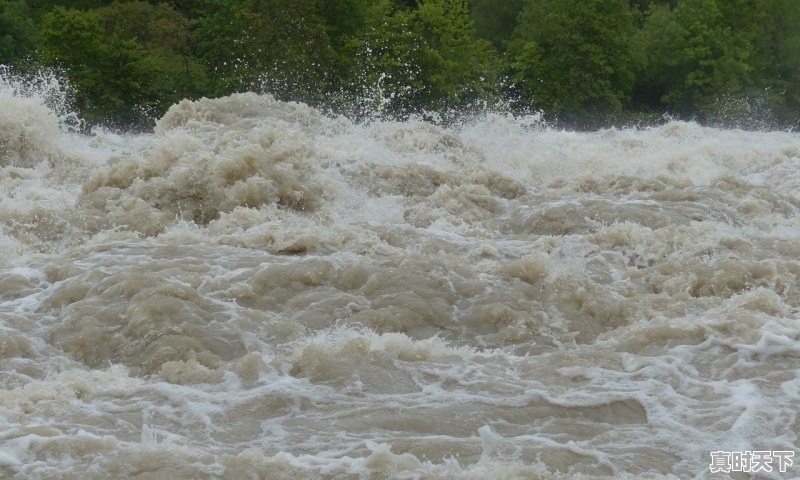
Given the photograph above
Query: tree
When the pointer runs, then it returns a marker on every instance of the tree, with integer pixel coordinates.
(777, 57)
(72, 39)
(164, 35)
(495, 21)
(700, 52)
(345, 18)
(278, 46)
(574, 58)
(104, 52)
(41, 7)
(424, 59)
(467, 70)
(17, 31)
(659, 73)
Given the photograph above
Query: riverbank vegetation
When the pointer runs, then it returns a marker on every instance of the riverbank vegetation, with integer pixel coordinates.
(584, 63)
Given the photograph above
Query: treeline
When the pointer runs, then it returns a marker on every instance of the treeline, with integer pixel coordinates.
(583, 62)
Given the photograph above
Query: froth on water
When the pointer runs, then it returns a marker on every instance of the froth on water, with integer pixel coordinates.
(257, 290)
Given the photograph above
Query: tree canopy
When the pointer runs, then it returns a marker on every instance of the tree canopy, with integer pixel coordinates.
(581, 62)
(574, 57)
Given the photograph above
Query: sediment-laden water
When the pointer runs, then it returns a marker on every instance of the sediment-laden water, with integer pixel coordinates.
(259, 291)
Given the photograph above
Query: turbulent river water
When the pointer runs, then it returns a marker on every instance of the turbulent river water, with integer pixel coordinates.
(258, 291)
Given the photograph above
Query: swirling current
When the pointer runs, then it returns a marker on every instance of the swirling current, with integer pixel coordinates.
(256, 290)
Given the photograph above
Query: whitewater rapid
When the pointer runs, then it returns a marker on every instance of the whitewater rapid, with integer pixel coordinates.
(258, 290)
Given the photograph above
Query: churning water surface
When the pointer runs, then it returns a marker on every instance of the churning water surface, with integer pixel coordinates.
(259, 291)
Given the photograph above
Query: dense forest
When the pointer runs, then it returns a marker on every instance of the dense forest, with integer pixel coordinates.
(584, 63)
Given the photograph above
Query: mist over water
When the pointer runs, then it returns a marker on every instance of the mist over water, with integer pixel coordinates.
(257, 290)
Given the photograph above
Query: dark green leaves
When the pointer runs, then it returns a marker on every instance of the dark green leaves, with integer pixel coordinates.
(574, 58)
(585, 62)
(17, 31)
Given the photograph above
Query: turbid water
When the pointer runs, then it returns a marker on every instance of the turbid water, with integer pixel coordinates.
(260, 291)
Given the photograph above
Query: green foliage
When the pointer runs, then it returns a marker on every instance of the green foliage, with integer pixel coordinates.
(425, 59)
(705, 56)
(72, 38)
(465, 70)
(582, 61)
(164, 35)
(41, 7)
(574, 58)
(118, 61)
(279, 46)
(222, 35)
(494, 21)
(17, 31)
(713, 58)
(778, 58)
(392, 60)
(345, 18)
